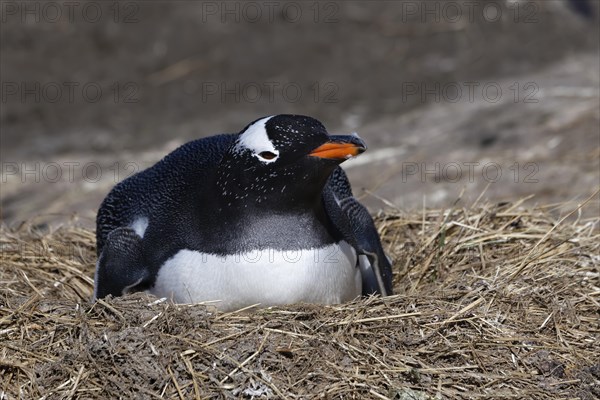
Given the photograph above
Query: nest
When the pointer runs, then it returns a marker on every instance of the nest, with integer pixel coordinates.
(494, 301)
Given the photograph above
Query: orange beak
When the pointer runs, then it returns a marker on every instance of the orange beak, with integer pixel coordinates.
(340, 148)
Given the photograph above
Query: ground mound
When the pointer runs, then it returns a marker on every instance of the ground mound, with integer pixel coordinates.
(494, 301)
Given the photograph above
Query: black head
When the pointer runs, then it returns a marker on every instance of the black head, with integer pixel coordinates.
(282, 161)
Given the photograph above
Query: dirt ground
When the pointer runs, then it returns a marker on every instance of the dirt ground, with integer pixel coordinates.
(493, 302)
(501, 95)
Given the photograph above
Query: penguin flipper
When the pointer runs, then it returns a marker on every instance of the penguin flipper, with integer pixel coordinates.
(369, 279)
(355, 223)
(120, 268)
(375, 266)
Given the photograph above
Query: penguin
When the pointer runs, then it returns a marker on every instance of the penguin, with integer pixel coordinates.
(265, 216)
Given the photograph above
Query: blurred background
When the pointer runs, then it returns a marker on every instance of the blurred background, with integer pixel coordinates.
(491, 99)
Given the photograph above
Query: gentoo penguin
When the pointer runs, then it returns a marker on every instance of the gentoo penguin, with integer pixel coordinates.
(264, 217)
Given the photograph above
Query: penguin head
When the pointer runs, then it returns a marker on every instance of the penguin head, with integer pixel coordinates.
(283, 160)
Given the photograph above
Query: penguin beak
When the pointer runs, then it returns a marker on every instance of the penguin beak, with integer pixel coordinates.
(340, 147)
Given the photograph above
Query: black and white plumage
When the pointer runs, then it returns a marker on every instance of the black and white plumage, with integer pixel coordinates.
(264, 216)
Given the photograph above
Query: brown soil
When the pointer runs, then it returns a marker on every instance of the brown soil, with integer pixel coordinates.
(542, 134)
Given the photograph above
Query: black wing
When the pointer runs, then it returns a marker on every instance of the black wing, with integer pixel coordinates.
(156, 189)
(120, 267)
(355, 223)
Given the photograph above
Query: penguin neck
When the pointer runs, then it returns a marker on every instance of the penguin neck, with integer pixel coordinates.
(264, 195)
(240, 221)
(263, 226)
(245, 203)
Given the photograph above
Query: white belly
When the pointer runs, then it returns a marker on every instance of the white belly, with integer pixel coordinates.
(327, 275)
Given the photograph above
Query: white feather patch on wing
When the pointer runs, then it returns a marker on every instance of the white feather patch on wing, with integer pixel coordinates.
(140, 225)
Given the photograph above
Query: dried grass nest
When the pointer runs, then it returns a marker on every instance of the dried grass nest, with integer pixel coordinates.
(494, 301)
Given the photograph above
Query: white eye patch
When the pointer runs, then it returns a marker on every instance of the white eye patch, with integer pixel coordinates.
(256, 140)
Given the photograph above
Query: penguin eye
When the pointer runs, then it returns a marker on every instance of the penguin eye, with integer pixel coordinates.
(267, 155)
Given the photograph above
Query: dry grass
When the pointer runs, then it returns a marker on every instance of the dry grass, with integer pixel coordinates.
(494, 302)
